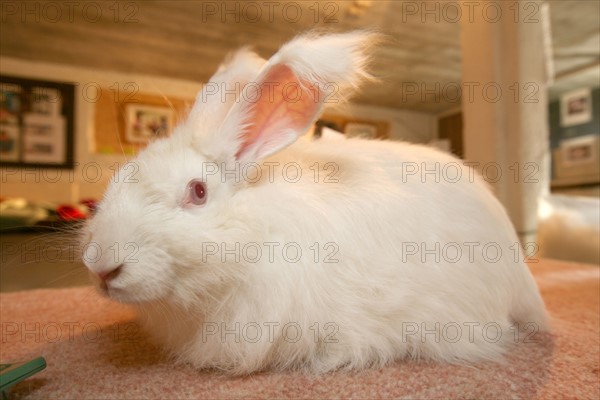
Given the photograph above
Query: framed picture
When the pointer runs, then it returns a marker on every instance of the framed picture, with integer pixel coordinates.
(577, 151)
(145, 123)
(36, 123)
(43, 139)
(351, 126)
(576, 107)
(355, 129)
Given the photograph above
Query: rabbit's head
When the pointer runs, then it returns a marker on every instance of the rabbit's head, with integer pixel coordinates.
(146, 241)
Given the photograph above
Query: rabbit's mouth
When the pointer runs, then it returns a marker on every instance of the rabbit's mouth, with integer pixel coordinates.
(126, 292)
(107, 289)
(125, 295)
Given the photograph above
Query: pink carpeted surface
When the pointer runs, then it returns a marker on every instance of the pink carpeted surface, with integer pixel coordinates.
(94, 350)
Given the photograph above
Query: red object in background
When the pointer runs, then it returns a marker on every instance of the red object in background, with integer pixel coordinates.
(69, 213)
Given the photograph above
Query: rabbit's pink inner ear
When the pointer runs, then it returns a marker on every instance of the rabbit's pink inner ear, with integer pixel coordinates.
(282, 107)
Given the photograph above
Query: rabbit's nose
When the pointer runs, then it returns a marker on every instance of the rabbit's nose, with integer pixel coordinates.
(110, 273)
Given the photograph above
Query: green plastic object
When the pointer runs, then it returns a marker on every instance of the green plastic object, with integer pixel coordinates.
(11, 374)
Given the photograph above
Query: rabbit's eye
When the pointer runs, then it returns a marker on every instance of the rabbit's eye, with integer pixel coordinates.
(196, 192)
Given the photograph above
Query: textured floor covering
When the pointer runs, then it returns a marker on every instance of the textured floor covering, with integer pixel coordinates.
(94, 350)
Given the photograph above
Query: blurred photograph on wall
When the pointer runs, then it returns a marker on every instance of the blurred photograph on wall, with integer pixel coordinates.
(576, 107)
(36, 123)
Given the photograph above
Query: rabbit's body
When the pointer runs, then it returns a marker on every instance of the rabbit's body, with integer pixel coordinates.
(360, 293)
(344, 253)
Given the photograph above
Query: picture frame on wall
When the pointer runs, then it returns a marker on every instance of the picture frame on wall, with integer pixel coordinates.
(43, 139)
(576, 107)
(362, 130)
(36, 123)
(579, 151)
(144, 123)
(353, 127)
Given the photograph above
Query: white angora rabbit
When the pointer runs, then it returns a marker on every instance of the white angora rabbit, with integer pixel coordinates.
(243, 251)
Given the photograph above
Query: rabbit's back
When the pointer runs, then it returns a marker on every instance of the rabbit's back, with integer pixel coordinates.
(397, 260)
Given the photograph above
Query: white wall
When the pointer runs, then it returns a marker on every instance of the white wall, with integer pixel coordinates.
(93, 171)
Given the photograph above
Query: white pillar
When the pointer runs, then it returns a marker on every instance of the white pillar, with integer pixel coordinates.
(505, 112)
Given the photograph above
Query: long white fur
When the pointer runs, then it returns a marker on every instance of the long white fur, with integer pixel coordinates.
(368, 299)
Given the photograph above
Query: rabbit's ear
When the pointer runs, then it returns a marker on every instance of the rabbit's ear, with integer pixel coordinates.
(222, 90)
(289, 94)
